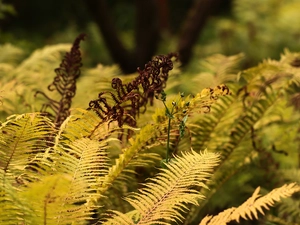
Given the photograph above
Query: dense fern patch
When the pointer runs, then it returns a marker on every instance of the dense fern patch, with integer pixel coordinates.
(141, 153)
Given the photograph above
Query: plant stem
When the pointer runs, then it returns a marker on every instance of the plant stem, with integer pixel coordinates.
(170, 116)
(168, 140)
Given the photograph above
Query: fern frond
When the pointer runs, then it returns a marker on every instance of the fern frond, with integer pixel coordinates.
(70, 194)
(41, 61)
(132, 155)
(247, 110)
(222, 68)
(252, 206)
(86, 162)
(167, 194)
(84, 124)
(208, 127)
(23, 136)
(13, 209)
(10, 55)
(271, 219)
(289, 208)
(18, 83)
(65, 84)
(91, 83)
(214, 70)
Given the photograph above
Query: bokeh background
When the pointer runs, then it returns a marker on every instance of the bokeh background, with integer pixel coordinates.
(129, 33)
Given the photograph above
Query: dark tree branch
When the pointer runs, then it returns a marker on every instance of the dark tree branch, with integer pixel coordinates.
(147, 31)
(100, 12)
(164, 15)
(194, 24)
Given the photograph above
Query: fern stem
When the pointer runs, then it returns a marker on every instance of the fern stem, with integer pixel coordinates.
(168, 140)
(170, 116)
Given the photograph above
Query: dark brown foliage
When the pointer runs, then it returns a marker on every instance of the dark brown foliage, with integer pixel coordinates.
(65, 84)
(130, 98)
(295, 62)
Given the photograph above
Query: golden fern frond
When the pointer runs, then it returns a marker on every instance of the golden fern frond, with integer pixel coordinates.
(210, 126)
(162, 199)
(23, 136)
(20, 82)
(70, 192)
(83, 123)
(41, 61)
(132, 156)
(13, 209)
(86, 162)
(252, 206)
(5, 68)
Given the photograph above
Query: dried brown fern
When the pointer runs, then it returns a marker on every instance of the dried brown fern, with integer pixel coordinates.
(130, 98)
(65, 84)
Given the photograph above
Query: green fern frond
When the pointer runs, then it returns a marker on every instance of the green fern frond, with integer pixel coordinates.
(270, 220)
(263, 97)
(289, 210)
(167, 194)
(230, 129)
(10, 55)
(92, 82)
(214, 70)
(41, 61)
(222, 68)
(268, 7)
(252, 206)
(292, 174)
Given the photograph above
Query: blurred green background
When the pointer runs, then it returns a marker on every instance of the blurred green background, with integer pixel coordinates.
(259, 28)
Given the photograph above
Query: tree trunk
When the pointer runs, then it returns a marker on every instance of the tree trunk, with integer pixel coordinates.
(194, 24)
(147, 31)
(164, 16)
(146, 34)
